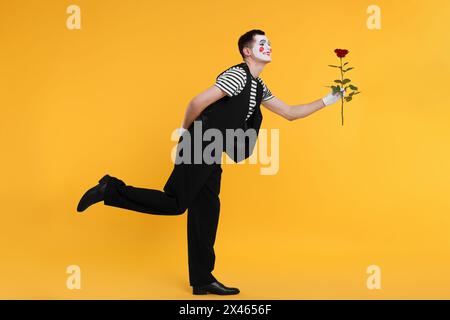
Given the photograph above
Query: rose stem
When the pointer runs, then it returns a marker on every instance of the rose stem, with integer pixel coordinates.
(342, 94)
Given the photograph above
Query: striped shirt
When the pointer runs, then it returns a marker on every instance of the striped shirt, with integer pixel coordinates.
(233, 80)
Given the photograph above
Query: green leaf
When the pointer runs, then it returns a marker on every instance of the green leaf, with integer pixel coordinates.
(330, 65)
(348, 69)
(338, 81)
(346, 81)
(345, 63)
(336, 89)
(353, 87)
(348, 99)
(353, 94)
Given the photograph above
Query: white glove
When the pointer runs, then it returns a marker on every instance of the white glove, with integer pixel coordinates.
(181, 130)
(333, 98)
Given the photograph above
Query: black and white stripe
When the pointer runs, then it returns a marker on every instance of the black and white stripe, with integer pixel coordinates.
(266, 92)
(232, 81)
(252, 99)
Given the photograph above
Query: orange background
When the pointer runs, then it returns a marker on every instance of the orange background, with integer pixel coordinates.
(77, 104)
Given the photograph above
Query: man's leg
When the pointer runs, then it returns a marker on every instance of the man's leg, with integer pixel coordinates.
(202, 221)
(181, 188)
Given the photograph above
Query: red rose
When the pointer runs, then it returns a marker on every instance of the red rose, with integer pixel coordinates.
(341, 53)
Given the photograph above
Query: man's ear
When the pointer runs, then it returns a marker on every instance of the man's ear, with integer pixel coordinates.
(247, 51)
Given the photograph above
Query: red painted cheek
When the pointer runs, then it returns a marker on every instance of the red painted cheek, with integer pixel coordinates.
(261, 49)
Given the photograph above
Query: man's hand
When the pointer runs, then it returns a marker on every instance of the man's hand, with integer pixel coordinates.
(333, 98)
(199, 103)
(181, 130)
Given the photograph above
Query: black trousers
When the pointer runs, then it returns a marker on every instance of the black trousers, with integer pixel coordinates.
(194, 187)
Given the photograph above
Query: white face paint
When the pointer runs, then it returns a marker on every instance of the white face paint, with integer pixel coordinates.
(261, 48)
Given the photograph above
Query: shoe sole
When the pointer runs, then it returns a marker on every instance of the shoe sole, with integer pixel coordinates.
(199, 291)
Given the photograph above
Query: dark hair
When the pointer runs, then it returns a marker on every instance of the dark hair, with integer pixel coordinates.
(247, 38)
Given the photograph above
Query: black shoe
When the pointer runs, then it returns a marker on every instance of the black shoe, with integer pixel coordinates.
(216, 287)
(93, 195)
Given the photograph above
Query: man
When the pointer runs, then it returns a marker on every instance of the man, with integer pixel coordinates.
(233, 102)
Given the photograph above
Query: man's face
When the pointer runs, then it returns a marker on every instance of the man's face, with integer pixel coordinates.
(261, 48)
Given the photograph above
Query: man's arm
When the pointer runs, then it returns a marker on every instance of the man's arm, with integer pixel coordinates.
(297, 111)
(199, 103)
